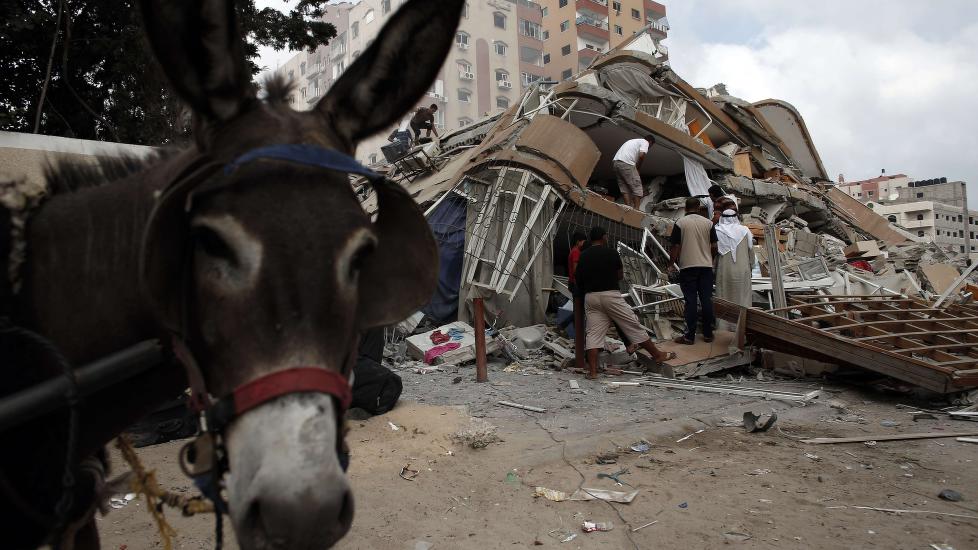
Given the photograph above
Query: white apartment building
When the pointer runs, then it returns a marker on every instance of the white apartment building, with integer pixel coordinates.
(941, 223)
(482, 75)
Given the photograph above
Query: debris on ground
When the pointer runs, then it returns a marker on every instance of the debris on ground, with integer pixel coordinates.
(478, 435)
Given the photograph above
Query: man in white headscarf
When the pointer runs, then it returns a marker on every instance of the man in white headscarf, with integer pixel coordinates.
(735, 247)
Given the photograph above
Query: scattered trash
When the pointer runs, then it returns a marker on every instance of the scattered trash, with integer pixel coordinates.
(758, 472)
(407, 473)
(562, 535)
(936, 546)
(895, 511)
(524, 407)
(967, 439)
(813, 457)
(684, 438)
(614, 477)
(684, 505)
(423, 545)
(456, 380)
(584, 493)
(512, 477)
(574, 385)
(592, 526)
(121, 502)
(752, 425)
(735, 536)
(869, 443)
(393, 426)
(606, 458)
(923, 416)
(889, 423)
(641, 447)
(950, 495)
(644, 526)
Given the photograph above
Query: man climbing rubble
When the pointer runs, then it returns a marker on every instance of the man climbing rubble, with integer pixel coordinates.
(597, 276)
(424, 119)
(626, 163)
(694, 243)
(720, 201)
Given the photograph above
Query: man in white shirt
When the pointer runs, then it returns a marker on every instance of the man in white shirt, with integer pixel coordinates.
(626, 162)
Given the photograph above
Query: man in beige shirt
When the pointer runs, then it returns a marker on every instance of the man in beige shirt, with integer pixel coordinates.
(694, 243)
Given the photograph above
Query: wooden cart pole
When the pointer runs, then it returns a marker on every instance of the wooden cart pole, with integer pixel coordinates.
(481, 373)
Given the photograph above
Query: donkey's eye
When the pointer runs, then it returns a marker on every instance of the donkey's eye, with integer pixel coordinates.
(212, 244)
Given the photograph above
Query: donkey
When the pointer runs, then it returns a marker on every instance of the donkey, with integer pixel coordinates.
(264, 263)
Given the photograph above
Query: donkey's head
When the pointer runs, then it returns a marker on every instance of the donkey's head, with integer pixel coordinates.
(268, 262)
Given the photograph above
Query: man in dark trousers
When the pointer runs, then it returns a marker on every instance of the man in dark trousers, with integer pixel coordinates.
(424, 119)
(597, 276)
(694, 243)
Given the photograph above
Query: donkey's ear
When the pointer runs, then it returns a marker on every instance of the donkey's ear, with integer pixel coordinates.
(389, 78)
(399, 276)
(200, 48)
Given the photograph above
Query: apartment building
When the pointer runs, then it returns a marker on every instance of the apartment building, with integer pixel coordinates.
(497, 52)
(575, 32)
(943, 224)
(875, 189)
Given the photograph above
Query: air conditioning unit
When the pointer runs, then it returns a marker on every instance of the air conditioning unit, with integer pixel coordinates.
(466, 75)
(462, 46)
(504, 84)
(437, 96)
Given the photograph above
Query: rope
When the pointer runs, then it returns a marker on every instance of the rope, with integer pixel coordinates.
(144, 482)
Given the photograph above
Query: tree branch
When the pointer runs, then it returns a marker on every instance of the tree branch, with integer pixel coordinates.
(47, 77)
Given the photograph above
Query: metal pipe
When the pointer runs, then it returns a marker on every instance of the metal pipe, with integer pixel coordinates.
(481, 373)
(50, 395)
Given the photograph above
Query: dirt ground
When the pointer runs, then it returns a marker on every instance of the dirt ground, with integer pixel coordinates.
(719, 488)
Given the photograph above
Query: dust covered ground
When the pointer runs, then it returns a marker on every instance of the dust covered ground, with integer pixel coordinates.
(719, 488)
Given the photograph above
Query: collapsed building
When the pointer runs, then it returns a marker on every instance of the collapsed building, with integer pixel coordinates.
(504, 194)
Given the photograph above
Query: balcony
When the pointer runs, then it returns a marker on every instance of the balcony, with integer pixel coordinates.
(314, 70)
(589, 53)
(437, 96)
(462, 45)
(465, 75)
(660, 25)
(593, 27)
(504, 84)
(338, 51)
(597, 6)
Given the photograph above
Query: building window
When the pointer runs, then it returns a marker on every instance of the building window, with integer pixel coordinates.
(462, 40)
(499, 20)
(920, 233)
(500, 47)
(291, 74)
(562, 3)
(338, 69)
(565, 75)
(546, 58)
(373, 158)
(618, 30)
(962, 248)
(616, 6)
(870, 193)
(464, 95)
(527, 78)
(530, 55)
(464, 121)
(859, 194)
(920, 216)
(464, 66)
(636, 14)
(545, 34)
(960, 218)
(564, 26)
(369, 16)
(385, 6)
(502, 102)
(355, 29)
(892, 219)
(465, 11)
(543, 12)
(502, 76)
(920, 195)
(565, 50)
(531, 29)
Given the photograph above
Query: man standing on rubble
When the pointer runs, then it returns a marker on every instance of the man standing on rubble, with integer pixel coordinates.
(424, 119)
(626, 163)
(735, 249)
(597, 276)
(694, 243)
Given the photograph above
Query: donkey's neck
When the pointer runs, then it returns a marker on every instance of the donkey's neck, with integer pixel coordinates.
(81, 279)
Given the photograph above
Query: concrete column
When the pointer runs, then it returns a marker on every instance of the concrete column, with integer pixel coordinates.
(967, 226)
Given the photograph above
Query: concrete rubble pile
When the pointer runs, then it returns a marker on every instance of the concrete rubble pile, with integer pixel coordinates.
(504, 194)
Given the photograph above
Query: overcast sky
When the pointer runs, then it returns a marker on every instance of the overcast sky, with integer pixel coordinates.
(881, 84)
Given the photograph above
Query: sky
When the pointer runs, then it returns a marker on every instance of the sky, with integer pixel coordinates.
(881, 84)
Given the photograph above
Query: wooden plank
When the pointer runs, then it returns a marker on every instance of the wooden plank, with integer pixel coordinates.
(918, 333)
(886, 437)
(903, 321)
